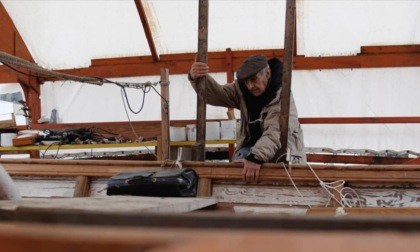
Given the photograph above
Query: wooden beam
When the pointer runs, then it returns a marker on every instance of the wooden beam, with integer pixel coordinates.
(198, 150)
(350, 159)
(363, 211)
(147, 30)
(287, 76)
(210, 232)
(383, 174)
(181, 63)
(358, 120)
(164, 104)
(7, 75)
(12, 43)
(82, 188)
(359, 61)
(230, 77)
(390, 49)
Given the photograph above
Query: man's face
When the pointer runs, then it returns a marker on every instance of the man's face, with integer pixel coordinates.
(257, 84)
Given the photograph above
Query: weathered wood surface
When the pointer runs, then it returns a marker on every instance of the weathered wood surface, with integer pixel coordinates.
(113, 204)
(19, 237)
(377, 186)
(365, 211)
(409, 174)
(278, 195)
(274, 195)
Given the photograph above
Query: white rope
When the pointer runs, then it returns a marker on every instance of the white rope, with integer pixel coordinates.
(293, 183)
(346, 199)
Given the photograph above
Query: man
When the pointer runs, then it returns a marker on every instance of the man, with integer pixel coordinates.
(256, 93)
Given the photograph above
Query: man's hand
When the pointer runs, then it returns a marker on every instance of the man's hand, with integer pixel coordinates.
(251, 170)
(198, 69)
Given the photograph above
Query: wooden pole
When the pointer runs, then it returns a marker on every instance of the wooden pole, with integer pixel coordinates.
(82, 188)
(164, 92)
(287, 75)
(198, 149)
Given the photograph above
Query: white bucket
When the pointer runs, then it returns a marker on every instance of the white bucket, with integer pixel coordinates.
(228, 129)
(177, 134)
(7, 139)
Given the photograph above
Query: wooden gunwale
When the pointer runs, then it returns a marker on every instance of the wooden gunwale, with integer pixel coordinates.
(226, 171)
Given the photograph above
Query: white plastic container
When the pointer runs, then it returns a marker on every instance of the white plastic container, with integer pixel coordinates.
(177, 134)
(212, 131)
(191, 132)
(7, 139)
(228, 129)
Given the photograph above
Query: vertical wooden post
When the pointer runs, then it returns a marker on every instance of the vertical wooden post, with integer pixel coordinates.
(287, 75)
(204, 187)
(229, 78)
(164, 92)
(82, 188)
(198, 149)
(159, 151)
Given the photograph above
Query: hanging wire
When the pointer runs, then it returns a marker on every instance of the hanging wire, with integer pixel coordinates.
(9, 60)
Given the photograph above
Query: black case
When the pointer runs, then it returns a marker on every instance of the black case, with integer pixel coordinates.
(163, 183)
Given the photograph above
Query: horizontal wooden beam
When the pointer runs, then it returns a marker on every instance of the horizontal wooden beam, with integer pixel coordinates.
(357, 120)
(353, 159)
(384, 174)
(381, 56)
(390, 49)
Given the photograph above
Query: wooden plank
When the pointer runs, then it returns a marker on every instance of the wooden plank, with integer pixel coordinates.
(181, 63)
(147, 29)
(82, 188)
(42, 186)
(112, 204)
(389, 197)
(390, 49)
(287, 77)
(274, 210)
(270, 195)
(19, 237)
(204, 187)
(365, 211)
(358, 120)
(198, 149)
(348, 159)
(391, 174)
(220, 221)
(165, 112)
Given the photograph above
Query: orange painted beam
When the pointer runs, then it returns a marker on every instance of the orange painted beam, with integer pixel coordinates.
(181, 63)
(358, 120)
(401, 56)
(11, 42)
(390, 49)
(7, 75)
(147, 30)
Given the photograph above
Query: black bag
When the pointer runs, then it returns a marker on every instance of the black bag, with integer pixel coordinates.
(162, 183)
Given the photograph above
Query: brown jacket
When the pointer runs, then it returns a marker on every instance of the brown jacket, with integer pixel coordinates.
(267, 148)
